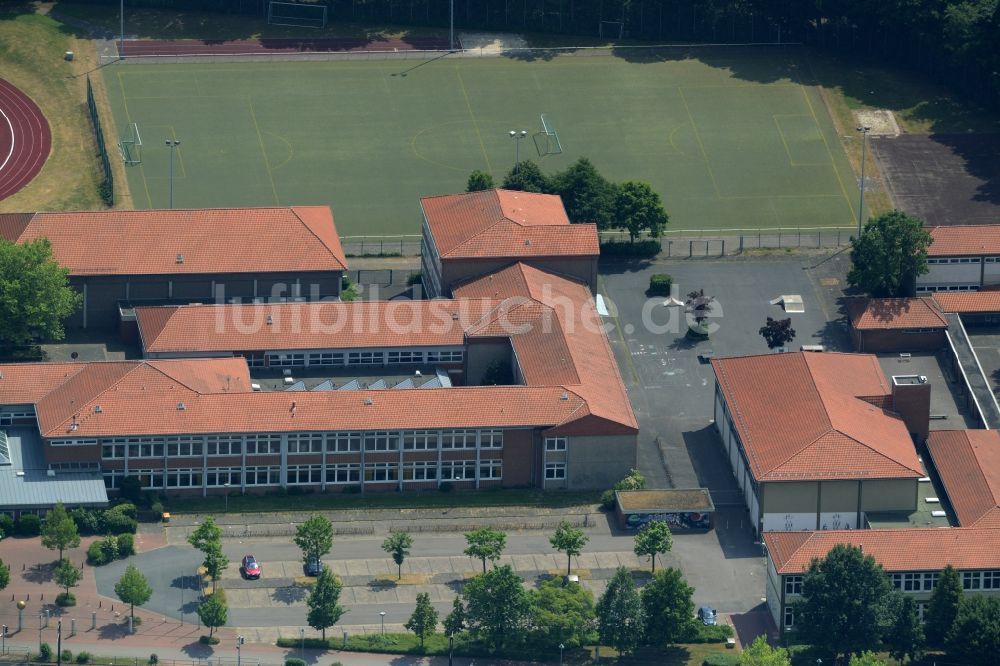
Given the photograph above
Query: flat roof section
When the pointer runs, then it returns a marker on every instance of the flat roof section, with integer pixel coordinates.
(670, 500)
(27, 483)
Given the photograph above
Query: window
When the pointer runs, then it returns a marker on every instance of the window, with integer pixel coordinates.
(343, 473)
(73, 442)
(345, 442)
(897, 580)
(490, 469)
(304, 474)
(305, 443)
(930, 580)
(262, 444)
(445, 356)
(971, 580)
(458, 439)
(789, 617)
(920, 330)
(148, 478)
(276, 360)
(793, 584)
(112, 452)
(365, 358)
(555, 471)
(181, 447)
(255, 361)
(75, 466)
(420, 471)
(555, 443)
(420, 440)
(183, 478)
(394, 357)
(458, 470)
(224, 445)
(112, 479)
(326, 358)
(376, 472)
(220, 476)
(263, 476)
(381, 441)
(922, 609)
(991, 580)
(491, 439)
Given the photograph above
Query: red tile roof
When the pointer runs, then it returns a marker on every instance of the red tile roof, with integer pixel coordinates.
(508, 224)
(808, 416)
(882, 314)
(210, 241)
(968, 302)
(968, 462)
(964, 240)
(312, 325)
(902, 550)
(27, 383)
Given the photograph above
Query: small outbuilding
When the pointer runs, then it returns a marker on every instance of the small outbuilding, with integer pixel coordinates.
(680, 508)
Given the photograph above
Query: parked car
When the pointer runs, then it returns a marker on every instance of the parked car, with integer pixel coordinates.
(706, 615)
(313, 566)
(250, 567)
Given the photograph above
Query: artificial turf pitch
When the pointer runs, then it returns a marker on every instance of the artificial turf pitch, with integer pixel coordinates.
(726, 151)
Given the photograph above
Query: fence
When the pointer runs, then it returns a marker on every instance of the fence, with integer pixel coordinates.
(719, 243)
(404, 245)
(108, 185)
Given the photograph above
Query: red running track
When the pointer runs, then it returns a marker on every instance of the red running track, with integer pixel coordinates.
(25, 139)
(190, 47)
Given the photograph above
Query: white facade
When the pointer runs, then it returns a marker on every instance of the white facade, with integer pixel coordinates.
(959, 274)
(733, 448)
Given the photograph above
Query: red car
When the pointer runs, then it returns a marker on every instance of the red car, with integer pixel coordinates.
(250, 567)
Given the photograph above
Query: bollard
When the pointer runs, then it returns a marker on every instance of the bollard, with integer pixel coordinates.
(345, 639)
(72, 628)
(131, 629)
(93, 620)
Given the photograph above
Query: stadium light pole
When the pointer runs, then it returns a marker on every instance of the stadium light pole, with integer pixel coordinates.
(451, 38)
(121, 46)
(864, 129)
(517, 136)
(172, 144)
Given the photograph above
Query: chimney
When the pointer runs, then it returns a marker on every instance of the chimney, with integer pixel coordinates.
(911, 399)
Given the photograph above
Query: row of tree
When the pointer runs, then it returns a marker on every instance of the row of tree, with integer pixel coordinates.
(587, 195)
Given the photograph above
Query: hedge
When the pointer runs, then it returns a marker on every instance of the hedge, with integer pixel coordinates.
(721, 659)
(644, 249)
(660, 283)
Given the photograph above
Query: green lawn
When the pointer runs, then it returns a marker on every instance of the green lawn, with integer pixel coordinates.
(730, 142)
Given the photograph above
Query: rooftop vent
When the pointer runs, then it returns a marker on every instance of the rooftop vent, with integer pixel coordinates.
(564, 396)
(181, 406)
(98, 409)
(417, 373)
(527, 241)
(369, 401)
(454, 316)
(270, 320)
(932, 500)
(938, 514)
(180, 258)
(50, 472)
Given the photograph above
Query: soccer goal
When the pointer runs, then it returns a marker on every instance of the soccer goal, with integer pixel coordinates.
(551, 143)
(611, 29)
(130, 146)
(301, 14)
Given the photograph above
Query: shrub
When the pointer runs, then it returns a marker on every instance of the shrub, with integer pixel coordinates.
(88, 521)
(660, 283)
(208, 640)
(120, 519)
(95, 554)
(154, 658)
(294, 661)
(82, 657)
(608, 500)
(126, 545)
(721, 659)
(28, 525)
(6, 525)
(67, 655)
(311, 643)
(445, 487)
(65, 599)
(109, 546)
(44, 652)
(644, 249)
(157, 507)
(716, 633)
(414, 278)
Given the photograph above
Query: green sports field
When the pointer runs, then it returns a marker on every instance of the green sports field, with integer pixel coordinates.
(723, 151)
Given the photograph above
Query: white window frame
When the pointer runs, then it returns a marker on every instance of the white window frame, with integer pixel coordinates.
(555, 471)
(381, 472)
(793, 585)
(555, 443)
(343, 473)
(491, 470)
(345, 442)
(421, 470)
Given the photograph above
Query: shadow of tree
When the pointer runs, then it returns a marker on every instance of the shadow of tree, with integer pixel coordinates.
(40, 573)
(291, 594)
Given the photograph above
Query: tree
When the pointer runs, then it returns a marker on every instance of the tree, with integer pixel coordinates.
(206, 533)
(215, 562)
(906, 636)
(424, 619)
(777, 332)
(698, 306)
(563, 614)
(943, 606)
(619, 613)
(652, 540)
(398, 545)
(133, 588)
(866, 658)
(478, 181)
(4, 575)
(324, 601)
(59, 531)
(889, 255)
(526, 177)
(668, 607)
(760, 653)
(638, 208)
(587, 195)
(496, 605)
(454, 622)
(67, 575)
(570, 540)
(35, 296)
(975, 636)
(486, 544)
(843, 607)
(314, 538)
(213, 611)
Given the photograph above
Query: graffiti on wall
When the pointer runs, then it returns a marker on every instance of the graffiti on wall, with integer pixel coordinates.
(687, 520)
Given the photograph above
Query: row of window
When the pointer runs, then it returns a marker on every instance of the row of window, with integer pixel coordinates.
(959, 260)
(8, 418)
(395, 357)
(340, 442)
(926, 289)
(217, 477)
(920, 582)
